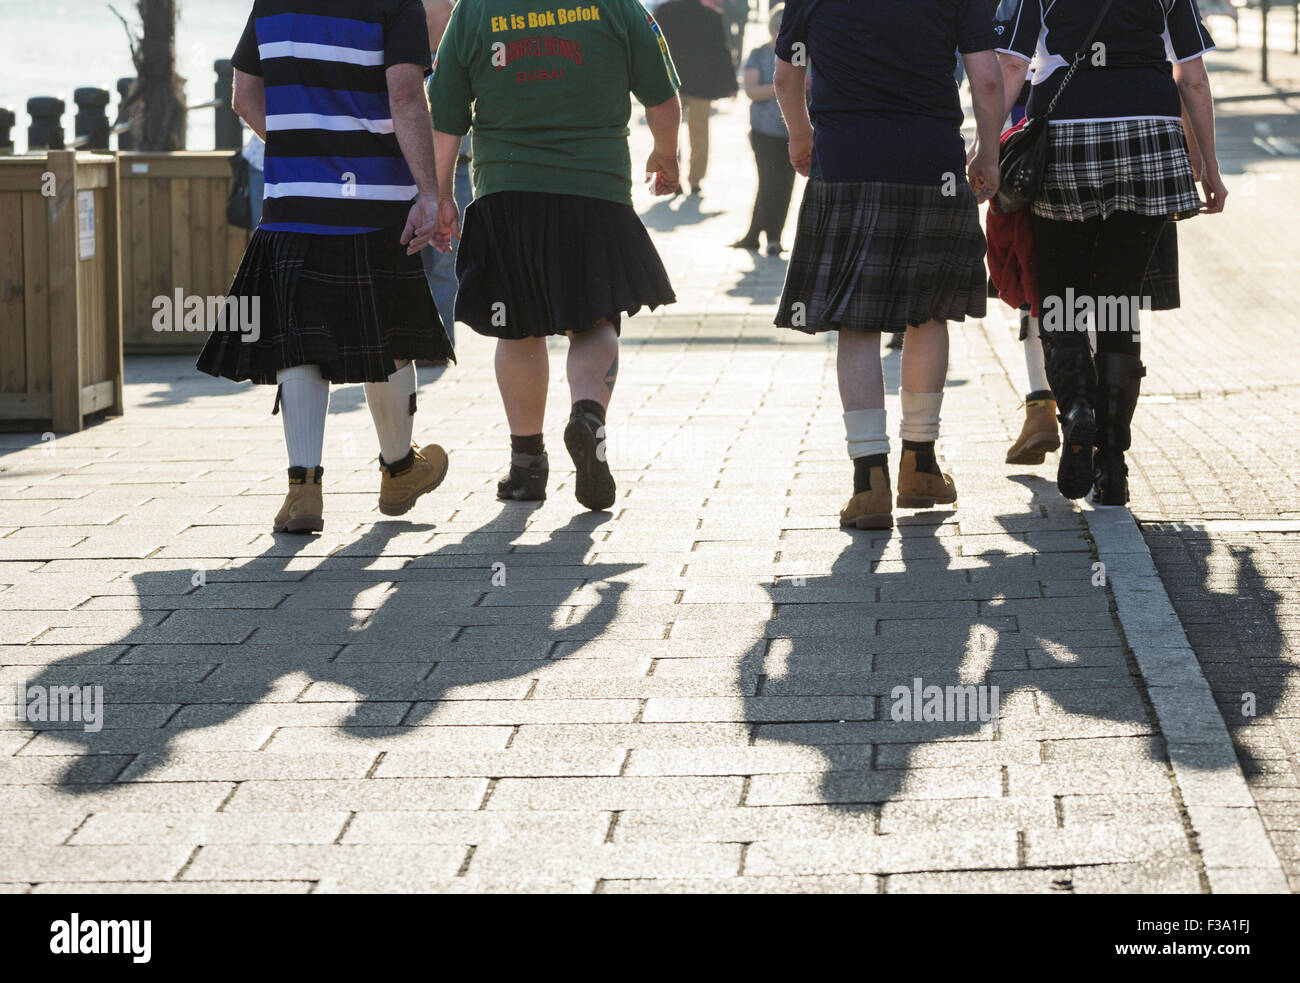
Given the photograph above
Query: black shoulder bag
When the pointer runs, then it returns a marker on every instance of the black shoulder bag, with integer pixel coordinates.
(1023, 155)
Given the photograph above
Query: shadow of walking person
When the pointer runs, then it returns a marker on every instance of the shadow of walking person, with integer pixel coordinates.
(371, 638)
(965, 674)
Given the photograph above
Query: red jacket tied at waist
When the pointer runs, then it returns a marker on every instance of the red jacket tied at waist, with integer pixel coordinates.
(1013, 267)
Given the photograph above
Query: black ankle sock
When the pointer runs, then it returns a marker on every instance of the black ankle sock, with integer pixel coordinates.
(862, 471)
(1038, 394)
(532, 444)
(589, 406)
(925, 461)
(397, 467)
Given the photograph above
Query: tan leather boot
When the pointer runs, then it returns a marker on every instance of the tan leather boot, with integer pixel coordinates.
(870, 509)
(404, 482)
(1038, 435)
(303, 507)
(921, 489)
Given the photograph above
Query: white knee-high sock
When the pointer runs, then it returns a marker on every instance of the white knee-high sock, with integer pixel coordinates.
(864, 430)
(390, 408)
(304, 400)
(1035, 365)
(920, 416)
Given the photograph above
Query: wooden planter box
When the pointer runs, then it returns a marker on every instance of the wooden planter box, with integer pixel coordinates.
(175, 237)
(60, 292)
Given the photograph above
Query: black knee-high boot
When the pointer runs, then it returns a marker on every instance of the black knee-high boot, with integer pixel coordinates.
(1120, 382)
(1073, 378)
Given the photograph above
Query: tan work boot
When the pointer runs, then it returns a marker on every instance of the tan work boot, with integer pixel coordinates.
(923, 489)
(1039, 434)
(404, 482)
(870, 509)
(303, 508)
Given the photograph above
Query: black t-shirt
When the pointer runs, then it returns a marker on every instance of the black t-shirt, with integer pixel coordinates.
(333, 165)
(1128, 77)
(884, 102)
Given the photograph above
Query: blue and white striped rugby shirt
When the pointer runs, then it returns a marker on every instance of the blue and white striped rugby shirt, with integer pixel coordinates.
(333, 164)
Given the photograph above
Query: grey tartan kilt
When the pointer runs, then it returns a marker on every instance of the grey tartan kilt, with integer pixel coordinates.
(879, 256)
(1096, 168)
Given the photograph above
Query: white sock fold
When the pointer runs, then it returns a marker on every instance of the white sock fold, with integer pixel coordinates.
(864, 430)
(304, 401)
(1035, 364)
(390, 408)
(920, 416)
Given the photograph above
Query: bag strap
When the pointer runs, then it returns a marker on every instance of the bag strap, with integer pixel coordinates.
(1079, 55)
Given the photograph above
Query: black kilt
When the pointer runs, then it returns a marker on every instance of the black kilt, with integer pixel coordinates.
(879, 256)
(533, 264)
(352, 305)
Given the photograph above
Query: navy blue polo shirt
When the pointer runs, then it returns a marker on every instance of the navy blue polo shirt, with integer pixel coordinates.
(884, 104)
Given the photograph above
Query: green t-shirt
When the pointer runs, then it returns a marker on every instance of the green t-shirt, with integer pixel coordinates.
(547, 90)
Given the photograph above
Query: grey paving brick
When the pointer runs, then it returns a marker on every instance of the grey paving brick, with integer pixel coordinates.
(395, 794)
(614, 793)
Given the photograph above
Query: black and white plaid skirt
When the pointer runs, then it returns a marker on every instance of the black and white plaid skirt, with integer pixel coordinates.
(1096, 168)
(352, 305)
(879, 256)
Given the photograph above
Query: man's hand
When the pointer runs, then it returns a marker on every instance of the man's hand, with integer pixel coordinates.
(983, 175)
(448, 227)
(801, 148)
(420, 224)
(662, 173)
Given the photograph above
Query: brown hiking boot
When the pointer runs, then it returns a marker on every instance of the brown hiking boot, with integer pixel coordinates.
(404, 482)
(870, 509)
(1039, 434)
(920, 483)
(303, 507)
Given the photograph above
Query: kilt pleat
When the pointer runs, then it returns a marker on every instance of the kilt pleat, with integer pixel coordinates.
(352, 305)
(534, 264)
(1096, 168)
(878, 256)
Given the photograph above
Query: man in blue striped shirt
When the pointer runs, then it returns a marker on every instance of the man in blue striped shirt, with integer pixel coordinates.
(336, 88)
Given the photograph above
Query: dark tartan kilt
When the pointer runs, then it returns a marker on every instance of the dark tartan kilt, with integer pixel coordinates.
(352, 305)
(1096, 168)
(533, 264)
(879, 256)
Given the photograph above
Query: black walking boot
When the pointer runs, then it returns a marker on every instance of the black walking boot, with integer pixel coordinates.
(526, 481)
(1120, 382)
(1074, 383)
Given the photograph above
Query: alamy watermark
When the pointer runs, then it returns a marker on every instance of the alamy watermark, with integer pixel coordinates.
(26, 703)
(194, 313)
(963, 702)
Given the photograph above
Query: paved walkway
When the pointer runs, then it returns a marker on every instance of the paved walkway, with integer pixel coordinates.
(693, 691)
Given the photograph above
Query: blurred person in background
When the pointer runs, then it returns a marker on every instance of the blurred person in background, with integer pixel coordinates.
(697, 39)
(769, 140)
(440, 267)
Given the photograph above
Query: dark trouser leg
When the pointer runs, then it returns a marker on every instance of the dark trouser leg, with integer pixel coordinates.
(1125, 248)
(1066, 254)
(776, 178)
(760, 197)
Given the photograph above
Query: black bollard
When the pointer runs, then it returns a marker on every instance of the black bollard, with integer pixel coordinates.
(7, 120)
(92, 118)
(46, 131)
(230, 135)
(124, 139)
